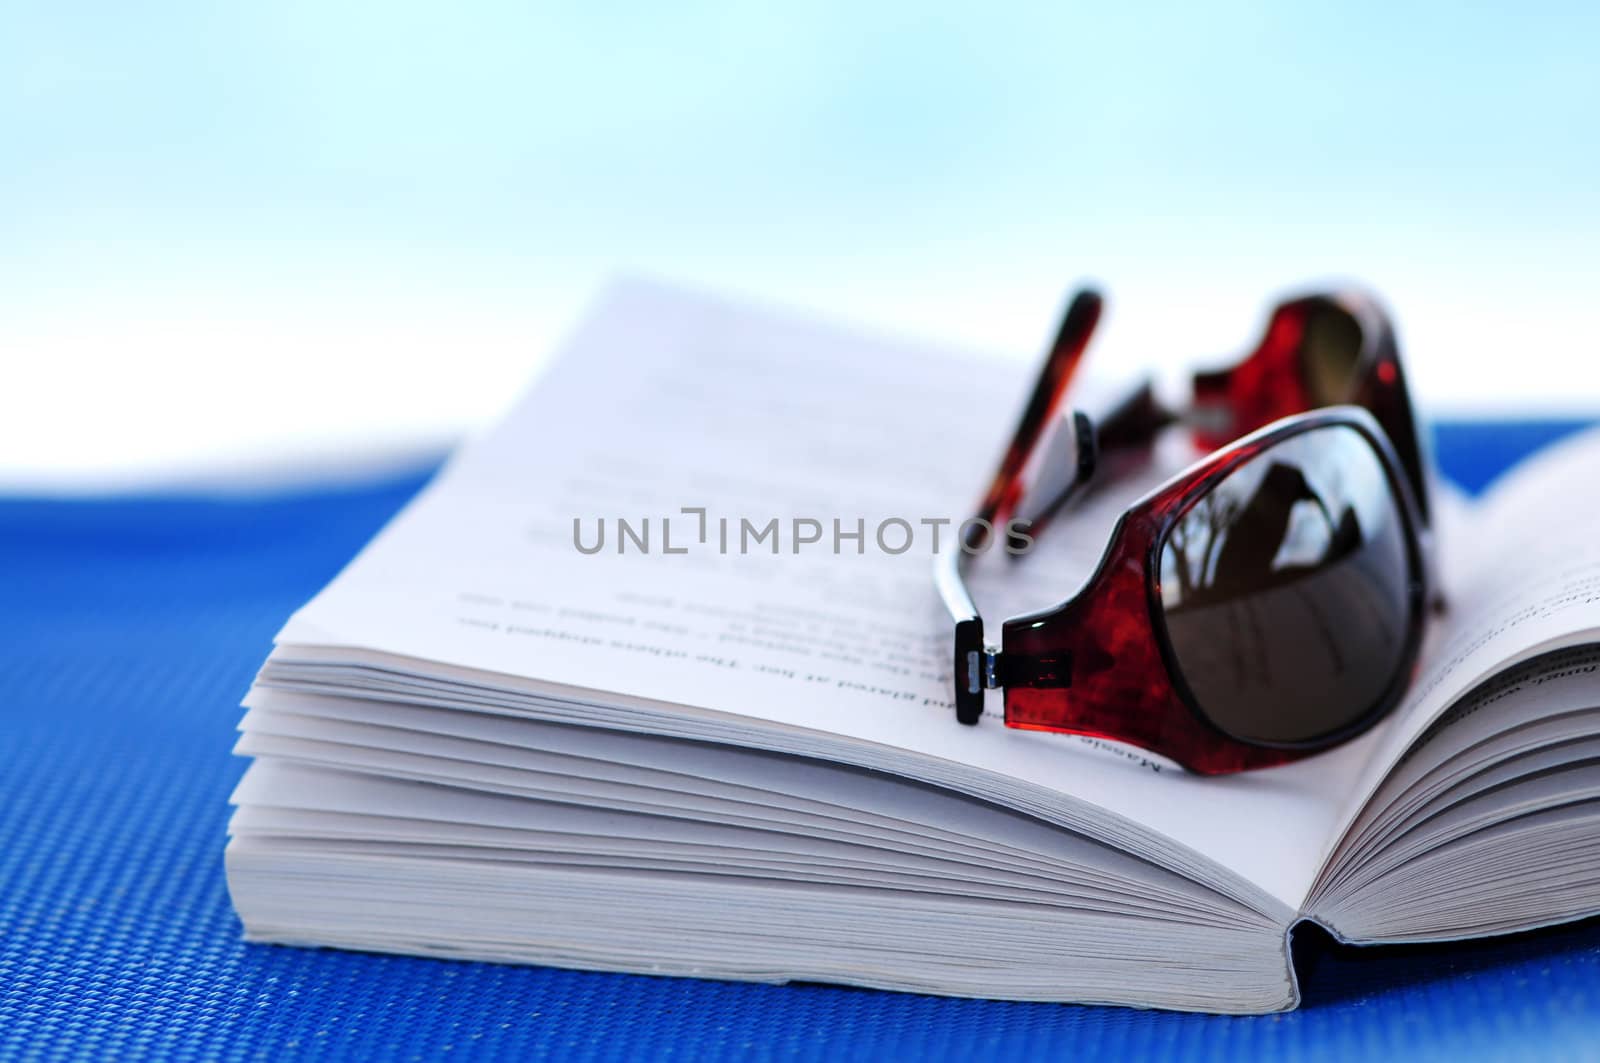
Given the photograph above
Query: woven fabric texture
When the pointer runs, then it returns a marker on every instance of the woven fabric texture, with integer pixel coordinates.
(129, 629)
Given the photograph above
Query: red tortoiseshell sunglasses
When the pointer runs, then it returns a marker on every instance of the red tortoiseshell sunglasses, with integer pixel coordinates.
(1264, 604)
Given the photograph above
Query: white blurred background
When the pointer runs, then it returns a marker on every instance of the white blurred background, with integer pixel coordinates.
(269, 235)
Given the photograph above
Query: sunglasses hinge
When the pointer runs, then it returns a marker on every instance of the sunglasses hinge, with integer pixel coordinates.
(991, 668)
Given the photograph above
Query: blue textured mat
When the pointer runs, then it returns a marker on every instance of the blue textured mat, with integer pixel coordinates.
(129, 629)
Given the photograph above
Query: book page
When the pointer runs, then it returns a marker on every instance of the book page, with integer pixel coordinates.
(739, 511)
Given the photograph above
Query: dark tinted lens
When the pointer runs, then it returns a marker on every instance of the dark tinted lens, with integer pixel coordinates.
(1330, 349)
(1286, 590)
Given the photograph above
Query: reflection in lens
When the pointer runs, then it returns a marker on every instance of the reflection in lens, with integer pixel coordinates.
(1286, 590)
(1330, 347)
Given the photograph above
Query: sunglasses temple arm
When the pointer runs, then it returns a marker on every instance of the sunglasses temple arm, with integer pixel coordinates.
(1072, 339)
(976, 660)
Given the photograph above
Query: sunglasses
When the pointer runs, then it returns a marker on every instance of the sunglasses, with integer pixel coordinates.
(1267, 602)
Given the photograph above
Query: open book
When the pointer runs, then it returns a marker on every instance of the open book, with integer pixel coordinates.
(615, 691)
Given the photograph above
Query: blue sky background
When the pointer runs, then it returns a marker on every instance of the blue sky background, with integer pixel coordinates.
(242, 229)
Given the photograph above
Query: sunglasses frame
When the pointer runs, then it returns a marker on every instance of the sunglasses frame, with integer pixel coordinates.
(1270, 383)
(1101, 663)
